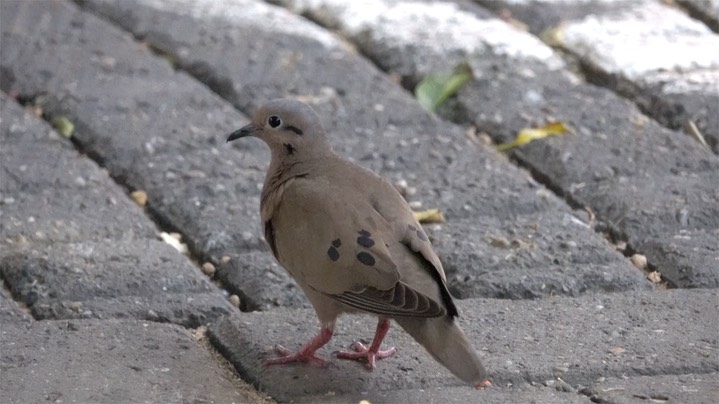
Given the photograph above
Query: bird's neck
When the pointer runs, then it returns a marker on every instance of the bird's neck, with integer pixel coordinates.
(282, 171)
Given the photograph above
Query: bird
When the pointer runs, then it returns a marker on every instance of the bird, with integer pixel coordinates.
(352, 244)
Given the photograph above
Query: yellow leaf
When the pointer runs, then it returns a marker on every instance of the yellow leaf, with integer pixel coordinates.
(527, 135)
(429, 216)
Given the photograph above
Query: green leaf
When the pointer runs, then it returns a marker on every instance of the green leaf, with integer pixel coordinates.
(63, 125)
(434, 89)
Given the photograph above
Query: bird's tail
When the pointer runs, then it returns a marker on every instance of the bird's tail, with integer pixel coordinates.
(446, 342)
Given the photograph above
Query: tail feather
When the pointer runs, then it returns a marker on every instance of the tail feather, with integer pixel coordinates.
(446, 342)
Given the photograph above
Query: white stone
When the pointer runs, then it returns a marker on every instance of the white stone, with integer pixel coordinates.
(249, 13)
(440, 27)
(647, 40)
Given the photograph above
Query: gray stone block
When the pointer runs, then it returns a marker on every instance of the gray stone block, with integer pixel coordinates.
(112, 361)
(49, 193)
(684, 388)
(572, 340)
(143, 279)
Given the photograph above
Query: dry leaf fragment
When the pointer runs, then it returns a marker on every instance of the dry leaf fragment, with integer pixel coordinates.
(527, 135)
(429, 216)
(140, 197)
(654, 277)
(616, 350)
(208, 269)
(173, 239)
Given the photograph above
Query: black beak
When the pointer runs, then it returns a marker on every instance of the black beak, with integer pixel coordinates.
(243, 132)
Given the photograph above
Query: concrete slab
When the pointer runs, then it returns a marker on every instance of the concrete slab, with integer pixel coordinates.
(577, 340)
(260, 282)
(146, 280)
(172, 138)
(73, 240)
(686, 388)
(624, 45)
(520, 394)
(528, 257)
(10, 310)
(540, 15)
(657, 56)
(68, 198)
(113, 361)
(704, 10)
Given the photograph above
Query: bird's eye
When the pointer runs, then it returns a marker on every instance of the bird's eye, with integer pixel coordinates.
(274, 121)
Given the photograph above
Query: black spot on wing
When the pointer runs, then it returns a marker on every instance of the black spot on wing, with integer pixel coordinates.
(365, 258)
(365, 242)
(336, 243)
(333, 253)
(421, 235)
(365, 233)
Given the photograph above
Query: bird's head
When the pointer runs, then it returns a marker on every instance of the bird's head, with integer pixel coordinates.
(289, 127)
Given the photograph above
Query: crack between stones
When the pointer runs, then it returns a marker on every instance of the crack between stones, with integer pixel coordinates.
(610, 231)
(697, 13)
(161, 221)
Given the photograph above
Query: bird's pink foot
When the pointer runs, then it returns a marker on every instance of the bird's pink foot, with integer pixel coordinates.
(483, 384)
(362, 352)
(306, 353)
(300, 356)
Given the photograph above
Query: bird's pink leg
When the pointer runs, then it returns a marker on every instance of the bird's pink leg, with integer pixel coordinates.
(372, 353)
(306, 353)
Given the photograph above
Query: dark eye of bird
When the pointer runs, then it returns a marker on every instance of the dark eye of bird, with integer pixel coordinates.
(274, 121)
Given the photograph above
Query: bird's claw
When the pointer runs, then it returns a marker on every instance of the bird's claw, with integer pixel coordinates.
(362, 352)
(484, 383)
(286, 356)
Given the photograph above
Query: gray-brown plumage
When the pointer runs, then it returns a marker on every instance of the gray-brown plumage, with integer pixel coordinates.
(350, 241)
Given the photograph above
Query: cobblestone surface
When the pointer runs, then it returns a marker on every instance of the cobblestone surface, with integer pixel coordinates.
(95, 307)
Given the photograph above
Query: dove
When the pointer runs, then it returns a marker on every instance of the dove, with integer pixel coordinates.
(352, 244)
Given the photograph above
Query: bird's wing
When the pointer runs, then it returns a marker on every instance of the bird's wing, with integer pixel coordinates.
(332, 239)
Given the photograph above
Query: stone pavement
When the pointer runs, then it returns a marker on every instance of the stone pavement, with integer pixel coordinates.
(95, 307)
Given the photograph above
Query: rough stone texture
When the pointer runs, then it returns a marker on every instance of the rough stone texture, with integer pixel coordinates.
(111, 361)
(260, 282)
(540, 15)
(369, 118)
(67, 198)
(643, 181)
(146, 280)
(537, 394)
(705, 10)
(575, 340)
(11, 310)
(625, 46)
(74, 246)
(154, 129)
(657, 56)
(141, 113)
(477, 253)
(687, 388)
